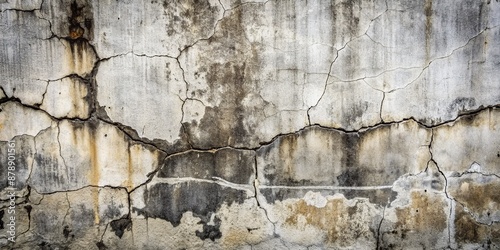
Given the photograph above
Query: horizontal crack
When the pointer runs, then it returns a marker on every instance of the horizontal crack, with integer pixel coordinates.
(78, 189)
(362, 129)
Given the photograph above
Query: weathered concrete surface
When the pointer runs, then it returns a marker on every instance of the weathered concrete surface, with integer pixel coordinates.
(250, 124)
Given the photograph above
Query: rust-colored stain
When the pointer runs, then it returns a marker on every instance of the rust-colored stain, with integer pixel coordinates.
(76, 32)
(425, 214)
(342, 224)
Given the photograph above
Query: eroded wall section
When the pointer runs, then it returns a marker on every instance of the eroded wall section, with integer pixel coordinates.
(228, 124)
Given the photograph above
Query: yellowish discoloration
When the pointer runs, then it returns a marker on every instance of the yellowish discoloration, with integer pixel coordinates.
(80, 57)
(343, 224)
(425, 214)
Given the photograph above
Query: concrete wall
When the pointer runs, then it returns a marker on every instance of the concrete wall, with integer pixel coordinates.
(227, 124)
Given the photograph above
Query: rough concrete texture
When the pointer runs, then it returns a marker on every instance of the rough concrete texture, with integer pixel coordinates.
(231, 124)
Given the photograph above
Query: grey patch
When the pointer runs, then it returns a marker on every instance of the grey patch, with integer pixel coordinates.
(23, 152)
(170, 202)
(461, 104)
(112, 211)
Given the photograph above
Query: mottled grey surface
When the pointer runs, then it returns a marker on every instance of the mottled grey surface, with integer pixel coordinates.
(235, 124)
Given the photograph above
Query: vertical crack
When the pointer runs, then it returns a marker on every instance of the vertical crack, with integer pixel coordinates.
(183, 126)
(43, 95)
(100, 244)
(4, 93)
(326, 84)
(60, 153)
(256, 190)
(33, 162)
(450, 220)
(256, 180)
(380, 226)
(69, 208)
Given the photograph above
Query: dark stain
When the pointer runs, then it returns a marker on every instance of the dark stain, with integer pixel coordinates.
(230, 82)
(210, 231)
(224, 125)
(235, 166)
(170, 202)
(2, 212)
(75, 30)
(352, 174)
(67, 231)
(119, 226)
(100, 245)
(379, 196)
(80, 21)
(194, 164)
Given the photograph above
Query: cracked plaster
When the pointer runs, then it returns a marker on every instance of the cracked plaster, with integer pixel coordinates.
(252, 125)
